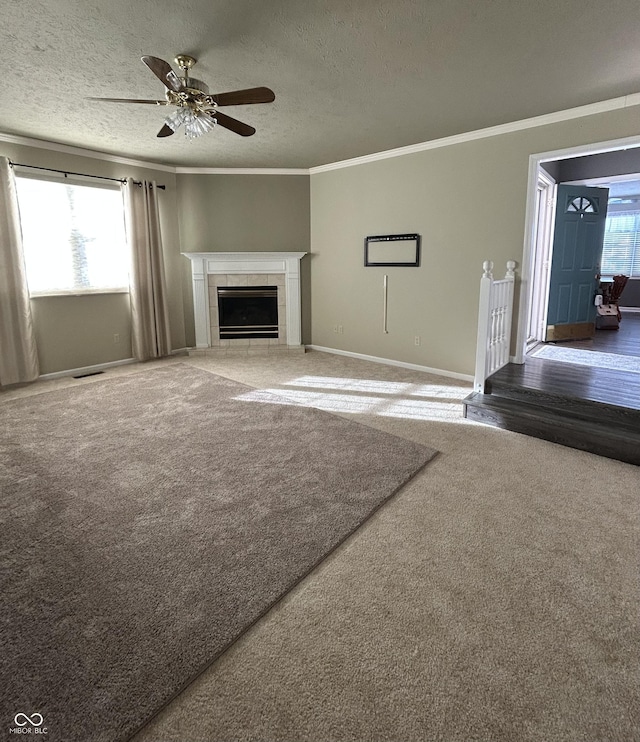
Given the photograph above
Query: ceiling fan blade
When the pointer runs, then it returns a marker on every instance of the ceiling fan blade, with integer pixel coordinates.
(162, 70)
(166, 131)
(131, 100)
(232, 124)
(245, 97)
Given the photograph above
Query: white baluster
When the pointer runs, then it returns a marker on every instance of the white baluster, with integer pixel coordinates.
(494, 322)
(482, 342)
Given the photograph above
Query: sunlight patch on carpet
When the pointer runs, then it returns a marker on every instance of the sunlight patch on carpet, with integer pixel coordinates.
(152, 519)
(436, 402)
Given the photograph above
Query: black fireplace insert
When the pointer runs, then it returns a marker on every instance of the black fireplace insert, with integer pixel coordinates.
(248, 312)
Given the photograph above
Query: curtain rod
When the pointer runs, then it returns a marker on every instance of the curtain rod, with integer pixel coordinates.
(84, 175)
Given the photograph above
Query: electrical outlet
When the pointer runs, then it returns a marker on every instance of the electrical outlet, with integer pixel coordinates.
(416, 340)
(335, 328)
(340, 329)
(116, 337)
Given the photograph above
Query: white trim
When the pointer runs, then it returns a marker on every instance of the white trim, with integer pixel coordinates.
(492, 131)
(532, 185)
(97, 155)
(86, 369)
(527, 259)
(546, 179)
(590, 109)
(241, 171)
(540, 268)
(596, 148)
(204, 264)
(34, 172)
(390, 362)
(605, 180)
(71, 150)
(77, 292)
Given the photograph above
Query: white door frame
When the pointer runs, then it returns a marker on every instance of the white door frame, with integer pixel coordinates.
(527, 277)
(541, 255)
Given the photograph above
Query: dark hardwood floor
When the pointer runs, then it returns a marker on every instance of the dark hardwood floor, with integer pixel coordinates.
(589, 408)
(607, 386)
(624, 341)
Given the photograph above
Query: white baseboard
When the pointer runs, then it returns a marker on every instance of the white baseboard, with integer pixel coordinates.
(86, 369)
(630, 309)
(390, 362)
(103, 366)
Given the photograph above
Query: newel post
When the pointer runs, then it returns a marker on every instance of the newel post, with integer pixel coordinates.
(510, 278)
(484, 318)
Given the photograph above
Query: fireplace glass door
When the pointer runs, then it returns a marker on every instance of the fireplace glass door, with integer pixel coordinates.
(248, 312)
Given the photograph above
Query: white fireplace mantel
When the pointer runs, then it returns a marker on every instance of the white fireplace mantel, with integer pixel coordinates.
(204, 264)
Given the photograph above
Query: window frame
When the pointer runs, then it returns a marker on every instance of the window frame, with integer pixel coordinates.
(625, 211)
(77, 180)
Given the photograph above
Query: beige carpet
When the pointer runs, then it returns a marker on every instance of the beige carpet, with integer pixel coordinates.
(151, 518)
(494, 599)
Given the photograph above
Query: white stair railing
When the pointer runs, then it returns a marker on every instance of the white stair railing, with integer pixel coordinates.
(494, 323)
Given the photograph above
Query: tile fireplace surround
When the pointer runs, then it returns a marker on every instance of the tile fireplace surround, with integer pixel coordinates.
(212, 269)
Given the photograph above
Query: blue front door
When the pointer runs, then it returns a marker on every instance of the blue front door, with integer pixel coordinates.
(581, 213)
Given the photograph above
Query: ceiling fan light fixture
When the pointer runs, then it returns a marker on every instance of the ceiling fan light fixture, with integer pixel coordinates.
(177, 118)
(197, 124)
(197, 110)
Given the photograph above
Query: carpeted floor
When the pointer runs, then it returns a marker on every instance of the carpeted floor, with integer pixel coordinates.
(151, 518)
(495, 598)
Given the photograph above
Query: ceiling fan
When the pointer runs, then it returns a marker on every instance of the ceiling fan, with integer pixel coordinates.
(197, 110)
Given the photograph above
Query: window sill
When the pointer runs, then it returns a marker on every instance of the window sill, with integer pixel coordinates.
(77, 292)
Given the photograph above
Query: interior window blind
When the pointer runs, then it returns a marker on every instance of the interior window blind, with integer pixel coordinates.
(621, 251)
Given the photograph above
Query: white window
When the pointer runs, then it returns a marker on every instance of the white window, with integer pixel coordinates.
(73, 236)
(621, 251)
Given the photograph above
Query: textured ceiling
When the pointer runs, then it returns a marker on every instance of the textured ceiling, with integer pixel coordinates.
(351, 78)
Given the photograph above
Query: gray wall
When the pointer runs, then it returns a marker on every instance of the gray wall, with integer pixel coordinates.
(466, 200)
(621, 162)
(553, 168)
(468, 203)
(76, 331)
(220, 213)
(246, 213)
(631, 294)
(198, 213)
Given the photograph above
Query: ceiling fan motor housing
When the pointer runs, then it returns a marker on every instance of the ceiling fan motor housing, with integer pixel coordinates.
(196, 108)
(195, 85)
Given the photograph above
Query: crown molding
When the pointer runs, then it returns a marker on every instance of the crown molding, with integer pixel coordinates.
(242, 171)
(96, 155)
(613, 104)
(79, 151)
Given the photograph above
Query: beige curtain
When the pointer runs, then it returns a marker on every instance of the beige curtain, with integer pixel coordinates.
(150, 315)
(18, 354)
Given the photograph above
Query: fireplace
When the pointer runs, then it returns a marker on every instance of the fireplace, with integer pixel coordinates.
(248, 312)
(212, 271)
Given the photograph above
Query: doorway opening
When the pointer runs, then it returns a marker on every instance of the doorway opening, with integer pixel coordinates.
(617, 165)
